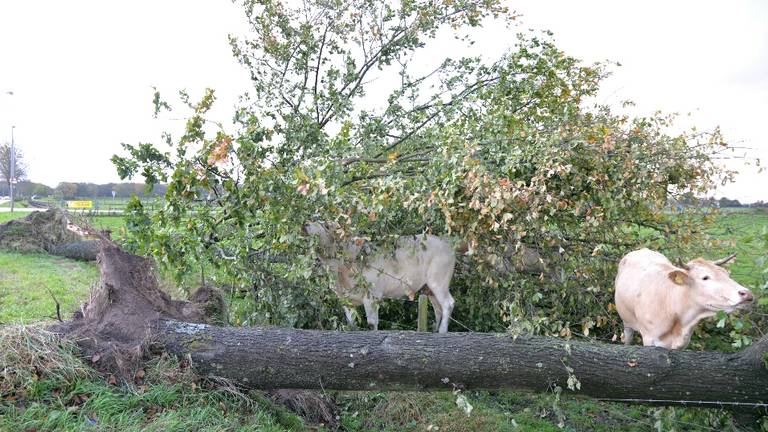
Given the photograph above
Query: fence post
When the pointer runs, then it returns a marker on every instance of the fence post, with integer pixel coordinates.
(423, 313)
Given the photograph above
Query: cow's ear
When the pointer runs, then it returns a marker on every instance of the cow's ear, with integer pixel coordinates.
(679, 277)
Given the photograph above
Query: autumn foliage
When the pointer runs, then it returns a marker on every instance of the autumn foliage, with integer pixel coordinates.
(502, 157)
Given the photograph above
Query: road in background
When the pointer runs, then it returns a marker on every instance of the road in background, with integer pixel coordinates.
(31, 209)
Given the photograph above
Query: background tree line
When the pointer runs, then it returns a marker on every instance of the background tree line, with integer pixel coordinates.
(70, 190)
(25, 188)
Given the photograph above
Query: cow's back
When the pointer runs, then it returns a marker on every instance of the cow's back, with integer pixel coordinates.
(641, 283)
(406, 268)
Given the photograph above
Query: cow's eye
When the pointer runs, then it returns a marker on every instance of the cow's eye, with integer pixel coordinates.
(706, 278)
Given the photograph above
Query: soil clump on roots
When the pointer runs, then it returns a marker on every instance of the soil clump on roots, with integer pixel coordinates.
(112, 328)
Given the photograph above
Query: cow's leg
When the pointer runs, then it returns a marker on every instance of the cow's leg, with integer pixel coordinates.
(439, 282)
(445, 301)
(371, 312)
(653, 341)
(438, 310)
(349, 313)
(648, 340)
(629, 332)
(447, 306)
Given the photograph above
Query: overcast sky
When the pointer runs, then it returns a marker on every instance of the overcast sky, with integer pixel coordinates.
(82, 71)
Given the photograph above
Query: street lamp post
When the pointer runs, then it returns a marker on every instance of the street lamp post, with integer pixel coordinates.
(12, 160)
(13, 166)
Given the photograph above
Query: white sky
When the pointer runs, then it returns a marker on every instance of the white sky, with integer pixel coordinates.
(82, 71)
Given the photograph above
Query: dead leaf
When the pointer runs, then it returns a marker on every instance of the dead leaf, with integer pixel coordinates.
(632, 362)
(95, 358)
(151, 411)
(112, 380)
(303, 189)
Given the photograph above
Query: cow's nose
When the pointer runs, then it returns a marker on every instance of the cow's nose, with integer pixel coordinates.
(746, 296)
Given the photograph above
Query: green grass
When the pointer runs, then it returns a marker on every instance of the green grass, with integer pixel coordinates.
(113, 223)
(159, 408)
(6, 216)
(739, 232)
(25, 281)
(50, 389)
(16, 203)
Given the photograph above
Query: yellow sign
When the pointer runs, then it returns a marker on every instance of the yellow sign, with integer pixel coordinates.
(80, 204)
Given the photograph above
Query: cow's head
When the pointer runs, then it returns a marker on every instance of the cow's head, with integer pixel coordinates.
(325, 232)
(711, 285)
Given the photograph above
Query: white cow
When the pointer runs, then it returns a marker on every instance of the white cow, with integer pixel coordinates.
(664, 302)
(417, 261)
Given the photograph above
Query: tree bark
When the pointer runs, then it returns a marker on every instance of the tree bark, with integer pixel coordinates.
(128, 316)
(270, 358)
(85, 250)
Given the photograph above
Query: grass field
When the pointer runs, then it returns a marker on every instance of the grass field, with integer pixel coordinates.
(740, 232)
(16, 204)
(67, 395)
(28, 283)
(6, 216)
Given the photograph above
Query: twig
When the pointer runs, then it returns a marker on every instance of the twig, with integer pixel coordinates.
(58, 306)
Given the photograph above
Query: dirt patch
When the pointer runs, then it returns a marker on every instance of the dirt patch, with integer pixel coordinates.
(112, 328)
(211, 301)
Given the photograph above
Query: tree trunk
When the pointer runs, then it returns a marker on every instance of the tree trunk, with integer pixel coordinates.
(269, 358)
(85, 250)
(128, 313)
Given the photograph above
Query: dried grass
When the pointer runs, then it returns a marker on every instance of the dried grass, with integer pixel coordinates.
(30, 353)
(400, 409)
(313, 406)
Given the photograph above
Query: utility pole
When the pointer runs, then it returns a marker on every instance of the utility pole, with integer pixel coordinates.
(13, 166)
(12, 160)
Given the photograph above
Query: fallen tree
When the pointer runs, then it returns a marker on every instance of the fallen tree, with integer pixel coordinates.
(50, 232)
(129, 317)
(37, 232)
(84, 250)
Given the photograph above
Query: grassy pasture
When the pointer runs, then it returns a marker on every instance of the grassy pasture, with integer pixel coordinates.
(6, 216)
(28, 281)
(16, 203)
(171, 398)
(739, 231)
